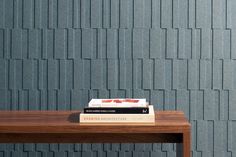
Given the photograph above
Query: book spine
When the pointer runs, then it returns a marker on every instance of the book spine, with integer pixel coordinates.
(115, 118)
(116, 110)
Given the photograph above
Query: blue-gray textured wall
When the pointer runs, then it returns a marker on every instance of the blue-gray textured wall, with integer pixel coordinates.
(179, 54)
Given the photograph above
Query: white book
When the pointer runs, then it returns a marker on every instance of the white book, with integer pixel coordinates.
(119, 118)
(129, 102)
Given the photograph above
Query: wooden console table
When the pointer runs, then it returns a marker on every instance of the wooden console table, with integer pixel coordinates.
(64, 127)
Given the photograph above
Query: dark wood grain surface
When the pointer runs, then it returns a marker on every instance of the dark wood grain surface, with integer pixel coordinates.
(64, 127)
(68, 122)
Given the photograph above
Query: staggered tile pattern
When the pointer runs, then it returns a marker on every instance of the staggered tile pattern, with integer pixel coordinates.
(179, 54)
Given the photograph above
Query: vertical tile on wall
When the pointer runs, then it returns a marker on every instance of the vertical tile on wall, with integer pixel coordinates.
(3, 101)
(41, 14)
(62, 100)
(159, 74)
(69, 74)
(8, 19)
(76, 13)
(224, 105)
(220, 135)
(211, 105)
(28, 14)
(106, 13)
(226, 44)
(112, 74)
(28, 74)
(147, 13)
(196, 44)
(218, 13)
(74, 43)
(171, 45)
(170, 100)
(218, 37)
(63, 13)
(96, 13)
(1, 43)
(206, 43)
(205, 74)
(157, 99)
(137, 43)
(202, 138)
(23, 103)
(125, 43)
(112, 43)
(137, 74)
(203, 13)
(231, 19)
(87, 43)
(156, 13)
(78, 74)
(147, 74)
(183, 101)
(191, 13)
(232, 106)
(125, 14)
(48, 44)
(155, 43)
(96, 74)
(193, 105)
(233, 46)
(231, 135)
(180, 11)
(139, 13)
(180, 74)
(114, 13)
(42, 74)
(16, 43)
(52, 13)
(228, 74)
(146, 44)
(184, 43)
(51, 100)
(60, 43)
(34, 48)
(166, 13)
(52, 74)
(71, 43)
(125, 74)
(2, 11)
(3, 74)
(85, 13)
(217, 74)
(11, 74)
(18, 14)
(193, 74)
(101, 43)
(62, 74)
(34, 96)
(87, 67)
(18, 74)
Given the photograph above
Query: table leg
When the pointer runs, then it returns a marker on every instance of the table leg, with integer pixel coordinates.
(186, 144)
(183, 149)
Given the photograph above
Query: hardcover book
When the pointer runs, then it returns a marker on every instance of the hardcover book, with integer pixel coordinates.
(118, 103)
(116, 110)
(119, 118)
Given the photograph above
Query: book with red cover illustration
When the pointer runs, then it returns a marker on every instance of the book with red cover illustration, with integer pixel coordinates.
(118, 103)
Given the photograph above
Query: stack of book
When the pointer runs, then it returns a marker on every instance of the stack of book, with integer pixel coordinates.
(118, 111)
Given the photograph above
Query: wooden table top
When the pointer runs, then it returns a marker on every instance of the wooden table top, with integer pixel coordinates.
(68, 122)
